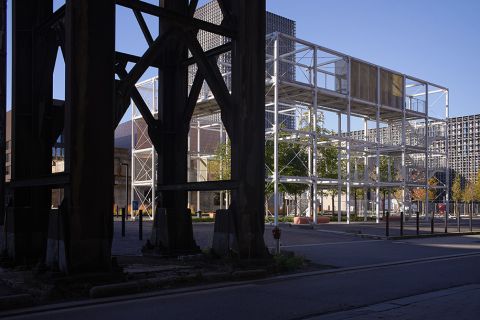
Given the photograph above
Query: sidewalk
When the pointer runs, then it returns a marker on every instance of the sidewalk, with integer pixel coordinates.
(454, 303)
(372, 229)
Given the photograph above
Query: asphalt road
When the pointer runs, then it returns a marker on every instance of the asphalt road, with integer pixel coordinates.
(355, 252)
(374, 272)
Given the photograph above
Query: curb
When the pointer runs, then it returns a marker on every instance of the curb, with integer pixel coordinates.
(302, 226)
(370, 266)
(139, 286)
(249, 274)
(132, 287)
(16, 301)
(405, 237)
(433, 235)
(353, 234)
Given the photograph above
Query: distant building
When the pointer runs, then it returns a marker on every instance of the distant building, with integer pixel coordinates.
(464, 146)
(121, 157)
(211, 12)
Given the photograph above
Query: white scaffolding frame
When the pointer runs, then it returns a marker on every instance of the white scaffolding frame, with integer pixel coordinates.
(415, 129)
(144, 157)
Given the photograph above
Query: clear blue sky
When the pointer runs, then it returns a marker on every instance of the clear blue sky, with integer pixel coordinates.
(436, 40)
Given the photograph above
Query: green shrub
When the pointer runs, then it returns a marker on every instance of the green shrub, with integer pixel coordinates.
(354, 218)
(283, 219)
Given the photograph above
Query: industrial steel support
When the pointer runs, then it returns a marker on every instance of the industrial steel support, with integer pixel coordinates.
(3, 102)
(85, 32)
(89, 138)
(174, 112)
(248, 97)
(244, 24)
(34, 52)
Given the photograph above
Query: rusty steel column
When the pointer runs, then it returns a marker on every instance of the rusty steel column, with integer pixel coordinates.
(43, 62)
(173, 145)
(89, 138)
(248, 148)
(3, 103)
(27, 221)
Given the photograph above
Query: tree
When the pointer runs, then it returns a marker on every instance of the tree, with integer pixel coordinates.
(457, 192)
(420, 194)
(220, 167)
(327, 153)
(468, 195)
(327, 164)
(476, 189)
(386, 176)
(357, 193)
(292, 160)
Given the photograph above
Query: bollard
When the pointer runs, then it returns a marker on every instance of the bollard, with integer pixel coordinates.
(276, 232)
(140, 224)
(458, 220)
(446, 221)
(401, 223)
(471, 219)
(387, 225)
(432, 223)
(123, 222)
(418, 222)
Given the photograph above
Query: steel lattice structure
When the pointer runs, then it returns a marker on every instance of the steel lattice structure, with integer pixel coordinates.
(408, 115)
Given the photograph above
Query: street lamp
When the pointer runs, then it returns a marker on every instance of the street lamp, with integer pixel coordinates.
(126, 186)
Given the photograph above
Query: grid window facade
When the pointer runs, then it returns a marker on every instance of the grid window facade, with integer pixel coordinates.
(464, 146)
(212, 13)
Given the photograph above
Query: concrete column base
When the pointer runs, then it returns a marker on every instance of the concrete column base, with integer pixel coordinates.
(224, 240)
(56, 258)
